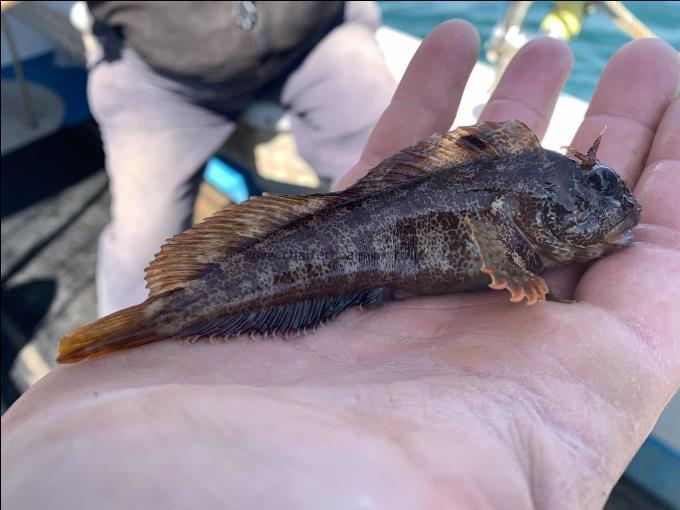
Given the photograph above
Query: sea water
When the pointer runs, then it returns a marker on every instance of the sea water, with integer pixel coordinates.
(596, 43)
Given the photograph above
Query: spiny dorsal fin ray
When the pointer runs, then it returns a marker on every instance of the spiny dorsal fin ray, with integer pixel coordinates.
(467, 144)
(284, 319)
(188, 255)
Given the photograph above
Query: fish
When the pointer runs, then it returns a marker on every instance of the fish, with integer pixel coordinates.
(480, 206)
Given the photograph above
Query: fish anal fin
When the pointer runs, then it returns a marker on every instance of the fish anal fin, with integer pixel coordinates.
(285, 319)
(190, 254)
(463, 145)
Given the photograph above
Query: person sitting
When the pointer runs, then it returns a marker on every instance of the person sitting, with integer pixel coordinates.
(169, 80)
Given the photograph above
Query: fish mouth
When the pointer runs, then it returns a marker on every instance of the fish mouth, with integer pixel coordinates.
(620, 239)
(622, 234)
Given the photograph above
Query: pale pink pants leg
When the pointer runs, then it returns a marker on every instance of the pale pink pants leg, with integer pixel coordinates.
(156, 142)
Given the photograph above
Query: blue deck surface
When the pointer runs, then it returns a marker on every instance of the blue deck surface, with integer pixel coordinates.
(70, 84)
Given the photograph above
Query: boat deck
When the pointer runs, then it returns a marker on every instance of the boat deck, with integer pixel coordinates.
(54, 204)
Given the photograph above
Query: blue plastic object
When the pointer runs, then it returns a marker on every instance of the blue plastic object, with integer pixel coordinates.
(226, 179)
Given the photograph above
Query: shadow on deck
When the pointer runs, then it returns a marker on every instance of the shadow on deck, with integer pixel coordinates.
(54, 204)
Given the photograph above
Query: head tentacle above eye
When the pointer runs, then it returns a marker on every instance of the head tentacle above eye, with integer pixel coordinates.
(589, 159)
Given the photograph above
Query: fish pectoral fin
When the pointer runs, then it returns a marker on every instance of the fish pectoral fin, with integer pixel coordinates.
(504, 254)
(464, 145)
(550, 297)
(285, 319)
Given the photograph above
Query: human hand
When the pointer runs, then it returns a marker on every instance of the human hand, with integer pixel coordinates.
(461, 401)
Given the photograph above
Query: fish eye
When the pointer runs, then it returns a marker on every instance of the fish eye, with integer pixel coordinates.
(602, 179)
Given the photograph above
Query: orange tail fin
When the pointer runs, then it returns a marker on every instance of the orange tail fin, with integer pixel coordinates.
(116, 332)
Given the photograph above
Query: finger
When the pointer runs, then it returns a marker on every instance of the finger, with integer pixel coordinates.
(427, 98)
(647, 274)
(631, 96)
(531, 85)
(654, 190)
(635, 89)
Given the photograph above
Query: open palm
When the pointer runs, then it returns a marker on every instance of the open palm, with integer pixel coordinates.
(462, 401)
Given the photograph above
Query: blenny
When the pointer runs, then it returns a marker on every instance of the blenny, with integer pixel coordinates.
(481, 206)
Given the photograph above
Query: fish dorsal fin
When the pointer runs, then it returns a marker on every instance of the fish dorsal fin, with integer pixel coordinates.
(464, 145)
(494, 140)
(189, 254)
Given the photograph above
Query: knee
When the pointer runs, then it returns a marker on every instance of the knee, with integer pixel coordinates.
(363, 13)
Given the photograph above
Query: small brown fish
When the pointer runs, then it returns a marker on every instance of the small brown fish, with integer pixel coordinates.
(480, 206)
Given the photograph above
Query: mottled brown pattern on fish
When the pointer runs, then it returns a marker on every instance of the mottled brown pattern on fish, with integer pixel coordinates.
(481, 206)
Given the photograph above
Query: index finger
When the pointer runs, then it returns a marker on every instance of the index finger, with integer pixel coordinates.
(647, 273)
(631, 96)
(661, 176)
(634, 91)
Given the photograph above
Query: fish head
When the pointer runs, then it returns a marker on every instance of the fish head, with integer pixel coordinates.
(579, 212)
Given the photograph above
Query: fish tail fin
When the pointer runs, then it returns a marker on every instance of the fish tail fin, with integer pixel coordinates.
(121, 330)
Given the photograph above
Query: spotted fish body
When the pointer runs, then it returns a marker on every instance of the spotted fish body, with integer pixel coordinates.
(481, 206)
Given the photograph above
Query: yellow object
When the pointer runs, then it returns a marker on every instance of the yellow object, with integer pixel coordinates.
(565, 20)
